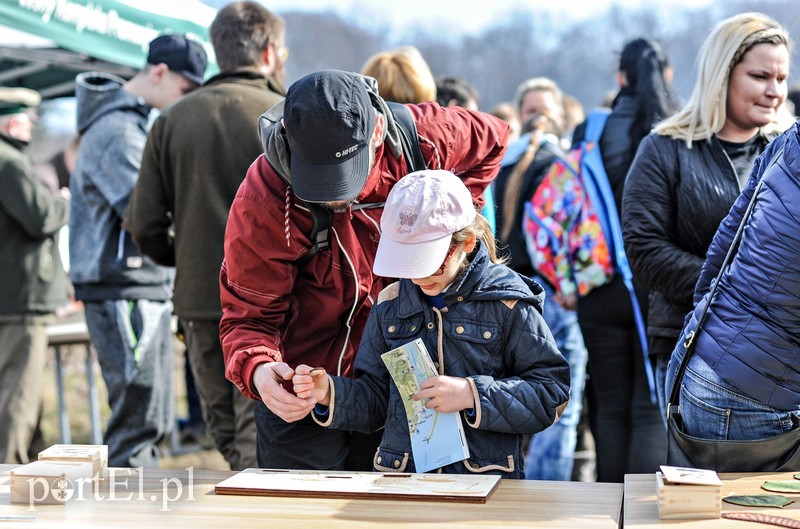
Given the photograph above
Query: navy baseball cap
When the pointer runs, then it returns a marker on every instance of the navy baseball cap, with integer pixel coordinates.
(329, 120)
(183, 56)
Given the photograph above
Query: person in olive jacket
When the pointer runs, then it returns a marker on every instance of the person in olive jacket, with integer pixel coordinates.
(33, 283)
(688, 172)
(196, 155)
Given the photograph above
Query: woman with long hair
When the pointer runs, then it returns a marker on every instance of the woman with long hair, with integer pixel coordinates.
(689, 171)
(629, 435)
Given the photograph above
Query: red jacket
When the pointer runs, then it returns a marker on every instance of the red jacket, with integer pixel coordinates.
(274, 310)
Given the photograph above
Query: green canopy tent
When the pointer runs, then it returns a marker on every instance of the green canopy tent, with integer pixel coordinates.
(106, 35)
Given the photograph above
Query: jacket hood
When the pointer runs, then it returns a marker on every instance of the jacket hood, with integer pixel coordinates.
(100, 93)
(482, 281)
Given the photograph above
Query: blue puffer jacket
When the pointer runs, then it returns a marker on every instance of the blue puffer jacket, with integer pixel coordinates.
(751, 336)
(491, 333)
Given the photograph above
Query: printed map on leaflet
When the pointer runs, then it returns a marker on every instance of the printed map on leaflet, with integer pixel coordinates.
(437, 439)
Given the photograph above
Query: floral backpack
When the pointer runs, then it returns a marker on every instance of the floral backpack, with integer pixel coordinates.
(572, 228)
(564, 220)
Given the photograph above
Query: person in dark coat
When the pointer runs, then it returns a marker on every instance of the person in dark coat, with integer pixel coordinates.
(125, 295)
(629, 436)
(689, 171)
(196, 156)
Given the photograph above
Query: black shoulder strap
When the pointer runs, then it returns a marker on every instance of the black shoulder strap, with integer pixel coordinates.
(408, 136)
(320, 233)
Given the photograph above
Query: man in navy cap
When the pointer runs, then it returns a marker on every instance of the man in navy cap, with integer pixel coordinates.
(186, 184)
(126, 296)
(33, 282)
(339, 146)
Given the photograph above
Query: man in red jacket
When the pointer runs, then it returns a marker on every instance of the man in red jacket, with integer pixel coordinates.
(283, 306)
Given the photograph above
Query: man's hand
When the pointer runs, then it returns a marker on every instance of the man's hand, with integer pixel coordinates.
(446, 394)
(268, 380)
(312, 384)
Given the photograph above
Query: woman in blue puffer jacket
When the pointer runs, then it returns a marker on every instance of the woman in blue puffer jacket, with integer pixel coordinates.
(481, 323)
(743, 380)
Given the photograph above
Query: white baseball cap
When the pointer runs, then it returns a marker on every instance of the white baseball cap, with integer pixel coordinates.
(422, 212)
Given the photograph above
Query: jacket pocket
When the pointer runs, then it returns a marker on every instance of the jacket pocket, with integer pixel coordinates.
(479, 466)
(390, 461)
(478, 332)
(479, 337)
(402, 330)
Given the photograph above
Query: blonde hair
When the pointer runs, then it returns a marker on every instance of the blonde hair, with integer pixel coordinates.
(403, 75)
(480, 229)
(726, 46)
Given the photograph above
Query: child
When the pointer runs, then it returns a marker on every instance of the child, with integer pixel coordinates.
(480, 321)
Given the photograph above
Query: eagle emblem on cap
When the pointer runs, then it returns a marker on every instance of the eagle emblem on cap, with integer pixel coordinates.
(408, 219)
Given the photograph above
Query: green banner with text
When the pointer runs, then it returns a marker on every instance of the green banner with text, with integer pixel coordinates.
(110, 30)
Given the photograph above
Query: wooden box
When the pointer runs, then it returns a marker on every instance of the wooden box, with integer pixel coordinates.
(678, 500)
(51, 482)
(97, 455)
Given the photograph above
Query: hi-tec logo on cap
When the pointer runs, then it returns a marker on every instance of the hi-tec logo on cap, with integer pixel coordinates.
(346, 151)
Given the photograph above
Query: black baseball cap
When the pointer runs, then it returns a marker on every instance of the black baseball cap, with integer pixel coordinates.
(329, 120)
(183, 56)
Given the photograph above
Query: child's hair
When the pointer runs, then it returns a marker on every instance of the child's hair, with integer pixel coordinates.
(480, 229)
(538, 125)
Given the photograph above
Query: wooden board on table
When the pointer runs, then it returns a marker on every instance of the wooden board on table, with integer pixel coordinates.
(360, 485)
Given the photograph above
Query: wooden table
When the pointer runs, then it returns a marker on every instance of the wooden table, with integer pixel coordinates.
(192, 503)
(641, 506)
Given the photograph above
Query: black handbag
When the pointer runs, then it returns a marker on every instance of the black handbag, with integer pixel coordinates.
(775, 454)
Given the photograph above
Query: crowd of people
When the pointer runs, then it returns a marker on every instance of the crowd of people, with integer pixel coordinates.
(295, 238)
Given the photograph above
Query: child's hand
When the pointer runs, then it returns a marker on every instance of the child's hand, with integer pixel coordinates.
(312, 384)
(446, 394)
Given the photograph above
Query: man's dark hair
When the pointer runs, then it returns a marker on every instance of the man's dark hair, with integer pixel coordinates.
(454, 91)
(241, 32)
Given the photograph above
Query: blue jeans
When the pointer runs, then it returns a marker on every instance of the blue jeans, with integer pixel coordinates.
(551, 452)
(660, 352)
(133, 340)
(713, 409)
